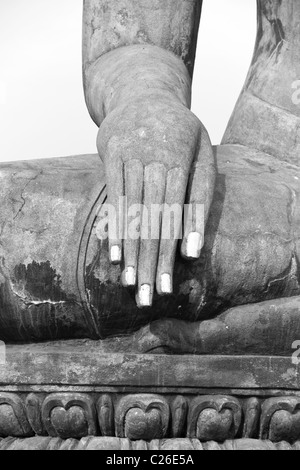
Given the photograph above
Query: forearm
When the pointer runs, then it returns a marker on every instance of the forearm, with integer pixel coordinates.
(169, 24)
(162, 38)
(138, 59)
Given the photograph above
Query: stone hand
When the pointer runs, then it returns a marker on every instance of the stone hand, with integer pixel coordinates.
(157, 155)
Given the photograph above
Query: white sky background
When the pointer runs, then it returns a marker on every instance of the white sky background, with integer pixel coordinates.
(42, 108)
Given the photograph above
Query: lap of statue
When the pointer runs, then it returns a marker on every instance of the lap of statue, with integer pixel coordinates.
(238, 292)
(57, 280)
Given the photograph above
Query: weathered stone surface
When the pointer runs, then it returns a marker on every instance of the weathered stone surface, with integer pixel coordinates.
(45, 205)
(252, 412)
(155, 151)
(210, 418)
(69, 415)
(171, 25)
(57, 282)
(179, 409)
(267, 117)
(33, 405)
(241, 297)
(142, 417)
(105, 411)
(214, 418)
(85, 366)
(280, 419)
(13, 419)
(56, 278)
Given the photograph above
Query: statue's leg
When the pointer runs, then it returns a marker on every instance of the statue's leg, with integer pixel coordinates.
(55, 282)
(138, 60)
(264, 328)
(267, 114)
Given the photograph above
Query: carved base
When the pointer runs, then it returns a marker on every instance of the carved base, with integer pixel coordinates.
(148, 417)
(115, 444)
(80, 397)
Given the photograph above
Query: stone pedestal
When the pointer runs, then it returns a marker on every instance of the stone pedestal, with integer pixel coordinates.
(72, 395)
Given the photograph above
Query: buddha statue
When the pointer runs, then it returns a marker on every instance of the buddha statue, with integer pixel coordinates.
(231, 285)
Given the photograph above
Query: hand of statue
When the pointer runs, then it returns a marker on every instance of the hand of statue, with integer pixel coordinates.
(156, 152)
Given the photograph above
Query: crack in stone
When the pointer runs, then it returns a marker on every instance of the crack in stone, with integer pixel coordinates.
(292, 273)
(37, 302)
(31, 303)
(22, 193)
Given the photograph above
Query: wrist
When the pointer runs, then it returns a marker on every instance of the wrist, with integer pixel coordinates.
(135, 73)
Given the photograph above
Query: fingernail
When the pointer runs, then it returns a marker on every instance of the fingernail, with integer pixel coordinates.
(115, 254)
(144, 295)
(130, 276)
(194, 245)
(165, 282)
